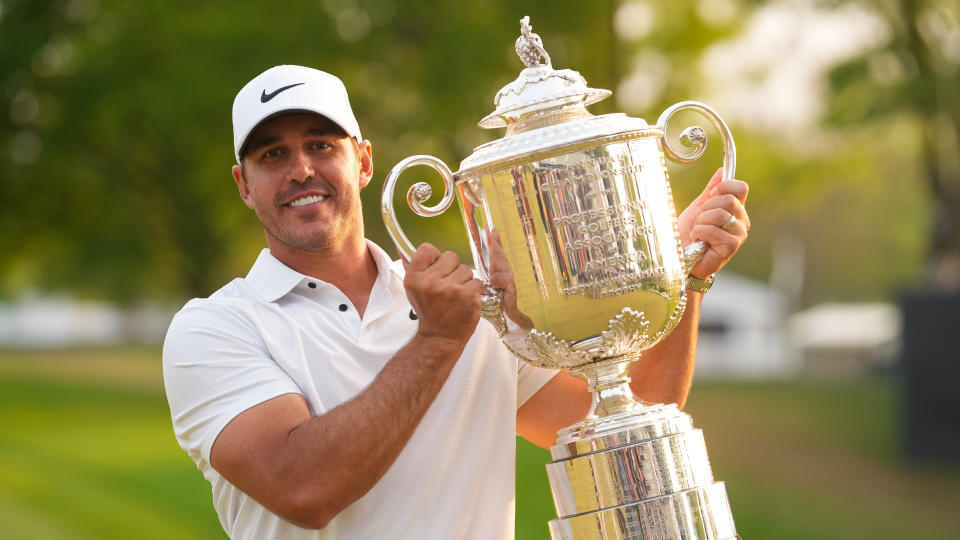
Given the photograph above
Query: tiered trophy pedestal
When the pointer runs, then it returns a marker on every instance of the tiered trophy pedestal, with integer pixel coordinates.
(642, 474)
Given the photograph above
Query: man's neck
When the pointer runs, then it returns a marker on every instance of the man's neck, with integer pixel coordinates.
(350, 268)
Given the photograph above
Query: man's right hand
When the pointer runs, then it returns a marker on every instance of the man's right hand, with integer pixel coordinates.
(444, 293)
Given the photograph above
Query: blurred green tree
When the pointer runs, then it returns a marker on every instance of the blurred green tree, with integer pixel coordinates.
(913, 76)
(115, 177)
(841, 195)
(115, 142)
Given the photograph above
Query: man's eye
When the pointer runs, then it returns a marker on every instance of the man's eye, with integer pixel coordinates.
(271, 153)
(320, 145)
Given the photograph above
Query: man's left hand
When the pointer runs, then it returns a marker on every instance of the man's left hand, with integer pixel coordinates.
(708, 218)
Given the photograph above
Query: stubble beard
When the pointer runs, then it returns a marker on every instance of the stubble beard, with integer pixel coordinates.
(327, 236)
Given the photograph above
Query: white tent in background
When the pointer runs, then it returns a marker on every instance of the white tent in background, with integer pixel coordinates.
(842, 340)
(742, 332)
(34, 321)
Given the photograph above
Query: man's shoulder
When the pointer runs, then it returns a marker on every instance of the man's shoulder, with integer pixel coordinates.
(235, 293)
(233, 303)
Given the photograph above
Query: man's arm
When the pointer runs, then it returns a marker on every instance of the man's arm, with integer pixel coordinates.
(664, 373)
(307, 469)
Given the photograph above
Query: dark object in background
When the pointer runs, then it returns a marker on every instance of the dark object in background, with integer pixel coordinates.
(931, 374)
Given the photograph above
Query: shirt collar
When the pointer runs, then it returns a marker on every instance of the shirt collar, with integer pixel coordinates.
(272, 279)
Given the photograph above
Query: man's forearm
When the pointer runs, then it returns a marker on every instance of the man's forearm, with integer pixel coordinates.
(313, 469)
(664, 373)
(348, 449)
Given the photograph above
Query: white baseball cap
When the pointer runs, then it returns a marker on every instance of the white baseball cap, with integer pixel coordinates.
(285, 89)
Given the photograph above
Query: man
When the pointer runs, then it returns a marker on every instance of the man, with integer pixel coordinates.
(333, 393)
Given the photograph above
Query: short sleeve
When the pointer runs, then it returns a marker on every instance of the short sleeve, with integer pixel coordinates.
(530, 380)
(215, 366)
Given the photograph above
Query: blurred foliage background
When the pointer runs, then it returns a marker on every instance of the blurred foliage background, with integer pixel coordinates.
(116, 138)
(115, 152)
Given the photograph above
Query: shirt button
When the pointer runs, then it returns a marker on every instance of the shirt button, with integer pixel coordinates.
(312, 285)
(343, 307)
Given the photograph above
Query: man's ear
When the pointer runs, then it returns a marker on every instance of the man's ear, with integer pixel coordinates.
(366, 163)
(242, 185)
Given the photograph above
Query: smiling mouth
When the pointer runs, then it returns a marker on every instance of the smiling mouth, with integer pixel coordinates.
(303, 201)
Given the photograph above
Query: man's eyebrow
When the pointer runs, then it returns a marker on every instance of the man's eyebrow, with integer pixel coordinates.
(329, 130)
(268, 140)
(257, 144)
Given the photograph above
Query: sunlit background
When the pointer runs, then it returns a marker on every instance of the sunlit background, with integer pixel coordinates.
(827, 363)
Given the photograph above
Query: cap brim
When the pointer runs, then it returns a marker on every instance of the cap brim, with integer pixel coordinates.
(278, 114)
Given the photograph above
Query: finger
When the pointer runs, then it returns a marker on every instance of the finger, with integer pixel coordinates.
(737, 188)
(461, 274)
(708, 191)
(718, 217)
(709, 264)
(717, 255)
(501, 279)
(728, 203)
(445, 264)
(498, 261)
(724, 242)
(724, 219)
(473, 289)
(424, 257)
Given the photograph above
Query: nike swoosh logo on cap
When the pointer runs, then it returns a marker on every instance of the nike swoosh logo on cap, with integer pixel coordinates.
(265, 97)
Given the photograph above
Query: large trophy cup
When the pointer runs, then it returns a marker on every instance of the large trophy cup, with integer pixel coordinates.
(572, 224)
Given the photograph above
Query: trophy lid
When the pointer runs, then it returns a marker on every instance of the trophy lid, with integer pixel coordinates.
(544, 109)
(539, 88)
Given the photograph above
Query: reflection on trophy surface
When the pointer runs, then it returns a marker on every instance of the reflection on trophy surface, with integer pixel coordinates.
(572, 224)
(580, 240)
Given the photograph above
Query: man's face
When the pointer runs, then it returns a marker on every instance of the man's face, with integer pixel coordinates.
(302, 176)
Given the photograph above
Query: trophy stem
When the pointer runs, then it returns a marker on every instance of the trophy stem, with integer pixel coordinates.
(609, 383)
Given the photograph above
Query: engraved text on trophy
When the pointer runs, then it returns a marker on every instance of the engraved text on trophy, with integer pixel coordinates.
(587, 234)
(602, 238)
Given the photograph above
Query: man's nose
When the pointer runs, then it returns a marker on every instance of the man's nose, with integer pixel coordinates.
(301, 167)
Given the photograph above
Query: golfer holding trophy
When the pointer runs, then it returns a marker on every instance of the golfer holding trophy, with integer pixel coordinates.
(572, 225)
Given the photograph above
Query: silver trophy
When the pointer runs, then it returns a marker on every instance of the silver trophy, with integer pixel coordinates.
(572, 225)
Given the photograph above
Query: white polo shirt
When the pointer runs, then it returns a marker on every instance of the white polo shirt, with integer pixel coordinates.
(278, 331)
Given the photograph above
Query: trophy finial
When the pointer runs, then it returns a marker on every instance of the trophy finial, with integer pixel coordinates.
(539, 87)
(529, 46)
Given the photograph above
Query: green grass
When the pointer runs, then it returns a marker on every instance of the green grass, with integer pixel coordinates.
(86, 451)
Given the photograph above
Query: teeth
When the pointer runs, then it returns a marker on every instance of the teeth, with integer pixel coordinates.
(308, 200)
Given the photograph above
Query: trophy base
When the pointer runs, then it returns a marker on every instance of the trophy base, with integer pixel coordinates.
(702, 513)
(641, 474)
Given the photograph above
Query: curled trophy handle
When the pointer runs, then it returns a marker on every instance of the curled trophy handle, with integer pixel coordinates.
(417, 195)
(695, 137)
